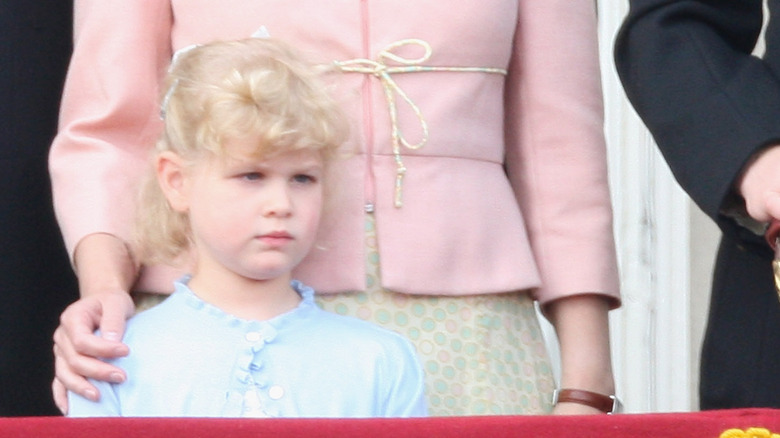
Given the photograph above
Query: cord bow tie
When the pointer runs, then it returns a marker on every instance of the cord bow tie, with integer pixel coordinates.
(384, 72)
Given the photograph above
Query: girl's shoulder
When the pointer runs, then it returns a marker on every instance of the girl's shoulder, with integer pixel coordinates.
(358, 335)
(322, 325)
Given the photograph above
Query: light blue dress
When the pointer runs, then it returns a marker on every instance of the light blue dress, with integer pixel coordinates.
(190, 359)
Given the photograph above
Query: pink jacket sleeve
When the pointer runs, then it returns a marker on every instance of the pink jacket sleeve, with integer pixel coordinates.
(556, 156)
(109, 118)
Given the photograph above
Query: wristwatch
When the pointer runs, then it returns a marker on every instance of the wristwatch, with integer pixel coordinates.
(608, 404)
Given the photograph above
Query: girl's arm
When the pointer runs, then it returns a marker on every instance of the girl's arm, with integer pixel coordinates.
(107, 407)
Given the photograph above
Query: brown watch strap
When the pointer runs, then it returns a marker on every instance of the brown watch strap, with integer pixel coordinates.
(602, 402)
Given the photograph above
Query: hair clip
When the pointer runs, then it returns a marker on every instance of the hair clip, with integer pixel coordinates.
(262, 32)
(178, 54)
(167, 98)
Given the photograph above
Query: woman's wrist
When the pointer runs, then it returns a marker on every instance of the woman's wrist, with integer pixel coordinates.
(104, 264)
(588, 373)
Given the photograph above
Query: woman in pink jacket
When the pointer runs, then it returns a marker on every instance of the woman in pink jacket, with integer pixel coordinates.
(476, 179)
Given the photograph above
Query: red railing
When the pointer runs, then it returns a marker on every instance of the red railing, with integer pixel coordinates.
(710, 424)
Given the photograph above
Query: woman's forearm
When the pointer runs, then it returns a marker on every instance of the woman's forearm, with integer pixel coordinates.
(582, 326)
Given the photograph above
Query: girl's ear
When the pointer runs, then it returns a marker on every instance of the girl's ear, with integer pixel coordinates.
(173, 180)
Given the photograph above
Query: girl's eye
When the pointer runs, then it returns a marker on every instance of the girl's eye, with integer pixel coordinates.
(304, 179)
(251, 176)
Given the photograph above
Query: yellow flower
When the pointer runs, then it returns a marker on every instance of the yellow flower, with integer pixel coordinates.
(753, 432)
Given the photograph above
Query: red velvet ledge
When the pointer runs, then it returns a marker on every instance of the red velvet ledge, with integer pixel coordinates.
(709, 424)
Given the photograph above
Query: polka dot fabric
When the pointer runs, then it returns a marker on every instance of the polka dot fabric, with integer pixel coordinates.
(482, 354)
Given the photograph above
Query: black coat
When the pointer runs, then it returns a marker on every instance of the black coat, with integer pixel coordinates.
(687, 68)
(36, 281)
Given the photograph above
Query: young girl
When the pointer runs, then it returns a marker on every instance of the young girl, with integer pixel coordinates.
(239, 182)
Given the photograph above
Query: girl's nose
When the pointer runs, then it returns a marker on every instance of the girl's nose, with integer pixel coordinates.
(278, 202)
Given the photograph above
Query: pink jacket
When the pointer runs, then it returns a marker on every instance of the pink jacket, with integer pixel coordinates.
(465, 227)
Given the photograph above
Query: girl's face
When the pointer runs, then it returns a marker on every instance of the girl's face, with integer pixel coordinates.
(254, 218)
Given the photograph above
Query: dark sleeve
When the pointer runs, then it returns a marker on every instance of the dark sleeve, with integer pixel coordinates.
(687, 68)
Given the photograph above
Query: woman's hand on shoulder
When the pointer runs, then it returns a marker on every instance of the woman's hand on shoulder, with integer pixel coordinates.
(77, 347)
(106, 272)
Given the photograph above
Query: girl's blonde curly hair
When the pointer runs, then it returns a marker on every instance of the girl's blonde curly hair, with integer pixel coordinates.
(256, 88)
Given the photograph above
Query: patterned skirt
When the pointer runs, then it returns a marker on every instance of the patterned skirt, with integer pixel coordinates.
(482, 354)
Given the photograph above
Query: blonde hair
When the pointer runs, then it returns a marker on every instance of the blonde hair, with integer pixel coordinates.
(256, 88)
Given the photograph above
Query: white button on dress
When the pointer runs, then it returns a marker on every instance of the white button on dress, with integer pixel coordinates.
(275, 392)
